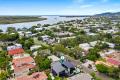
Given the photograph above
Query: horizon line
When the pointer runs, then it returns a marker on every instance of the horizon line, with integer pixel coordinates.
(58, 14)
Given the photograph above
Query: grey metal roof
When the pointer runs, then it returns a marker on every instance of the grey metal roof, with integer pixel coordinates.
(68, 64)
(57, 67)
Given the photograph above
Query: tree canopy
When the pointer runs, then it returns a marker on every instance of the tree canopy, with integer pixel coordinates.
(93, 54)
(43, 63)
(9, 37)
(111, 71)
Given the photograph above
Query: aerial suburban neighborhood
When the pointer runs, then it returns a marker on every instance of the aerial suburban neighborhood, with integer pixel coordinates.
(69, 50)
(60, 47)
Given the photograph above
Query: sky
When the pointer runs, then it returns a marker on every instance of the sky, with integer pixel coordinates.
(58, 7)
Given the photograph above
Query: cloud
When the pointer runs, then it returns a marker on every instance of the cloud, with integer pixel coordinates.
(86, 6)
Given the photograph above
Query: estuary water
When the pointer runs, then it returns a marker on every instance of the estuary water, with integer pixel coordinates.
(50, 20)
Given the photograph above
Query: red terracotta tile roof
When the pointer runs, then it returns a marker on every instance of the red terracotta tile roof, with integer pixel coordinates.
(113, 61)
(21, 61)
(23, 78)
(15, 51)
(34, 76)
(22, 64)
(23, 68)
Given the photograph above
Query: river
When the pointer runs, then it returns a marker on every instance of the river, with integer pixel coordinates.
(50, 20)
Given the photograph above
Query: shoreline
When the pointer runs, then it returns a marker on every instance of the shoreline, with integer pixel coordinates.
(17, 19)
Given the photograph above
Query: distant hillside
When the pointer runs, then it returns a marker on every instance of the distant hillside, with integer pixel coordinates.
(108, 14)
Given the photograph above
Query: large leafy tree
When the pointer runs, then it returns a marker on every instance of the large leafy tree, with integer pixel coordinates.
(4, 60)
(27, 43)
(9, 37)
(102, 68)
(77, 52)
(4, 65)
(43, 63)
(116, 40)
(100, 45)
(93, 54)
(59, 48)
(11, 29)
(72, 42)
(111, 71)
